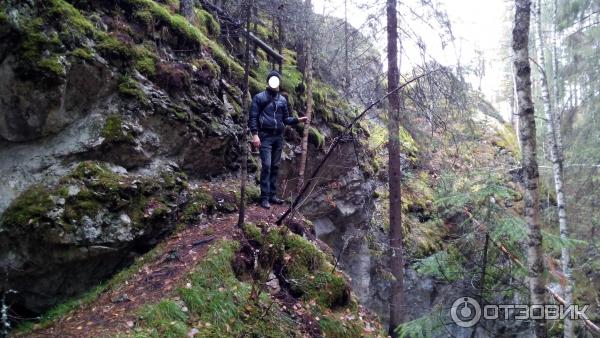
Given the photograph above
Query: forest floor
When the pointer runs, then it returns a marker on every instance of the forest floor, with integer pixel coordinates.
(115, 310)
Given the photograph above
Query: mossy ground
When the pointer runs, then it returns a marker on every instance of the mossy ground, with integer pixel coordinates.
(215, 303)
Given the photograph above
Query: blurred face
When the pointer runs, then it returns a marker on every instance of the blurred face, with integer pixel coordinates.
(273, 82)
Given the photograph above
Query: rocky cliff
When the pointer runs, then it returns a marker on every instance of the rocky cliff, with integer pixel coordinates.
(112, 115)
(119, 128)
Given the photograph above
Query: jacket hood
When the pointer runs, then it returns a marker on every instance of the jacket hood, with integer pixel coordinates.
(273, 73)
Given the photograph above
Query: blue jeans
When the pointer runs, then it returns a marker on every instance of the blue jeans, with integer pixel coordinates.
(271, 145)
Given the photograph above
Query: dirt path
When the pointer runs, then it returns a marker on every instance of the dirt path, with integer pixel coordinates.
(115, 309)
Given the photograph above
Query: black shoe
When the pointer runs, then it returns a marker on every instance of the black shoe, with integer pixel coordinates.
(276, 200)
(265, 204)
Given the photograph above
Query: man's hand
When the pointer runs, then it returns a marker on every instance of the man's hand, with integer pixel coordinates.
(303, 119)
(256, 141)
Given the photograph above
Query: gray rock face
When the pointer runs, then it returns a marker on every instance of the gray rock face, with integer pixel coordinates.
(30, 110)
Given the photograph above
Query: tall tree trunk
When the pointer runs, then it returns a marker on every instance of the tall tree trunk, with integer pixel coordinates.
(558, 109)
(395, 234)
(553, 131)
(186, 8)
(347, 78)
(529, 162)
(308, 78)
(246, 105)
(280, 39)
(515, 116)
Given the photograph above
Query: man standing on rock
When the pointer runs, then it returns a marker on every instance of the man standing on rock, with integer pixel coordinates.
(268, 116)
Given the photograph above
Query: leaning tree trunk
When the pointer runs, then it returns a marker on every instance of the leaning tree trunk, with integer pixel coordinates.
(529, 161)
(308, 78)
(553, 131)
(186, 8)
(395, 234)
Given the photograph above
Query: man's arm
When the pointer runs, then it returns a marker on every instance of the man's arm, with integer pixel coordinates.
(253, 118)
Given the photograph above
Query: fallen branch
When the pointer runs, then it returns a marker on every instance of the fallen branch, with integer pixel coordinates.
(337, 140)
(204, 241)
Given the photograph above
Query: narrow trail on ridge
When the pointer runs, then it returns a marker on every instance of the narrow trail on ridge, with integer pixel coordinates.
(115, 309)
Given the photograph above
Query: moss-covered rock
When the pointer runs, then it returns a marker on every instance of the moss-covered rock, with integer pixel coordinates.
(82, 229)
(130, 88)
(114, 131)
(200, 204)
(306, 271)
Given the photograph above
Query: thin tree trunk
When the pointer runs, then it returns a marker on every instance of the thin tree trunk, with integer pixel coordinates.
(482, 280)
(395, 234)
(186, 8)
(558, 109)
(280, 38)
(557, 170)
(535, 263)
(245, 104)
(337, 140)
(308, 74)
(347, 78)
(515, 117)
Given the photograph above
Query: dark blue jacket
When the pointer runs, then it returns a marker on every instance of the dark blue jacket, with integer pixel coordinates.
(269, 112)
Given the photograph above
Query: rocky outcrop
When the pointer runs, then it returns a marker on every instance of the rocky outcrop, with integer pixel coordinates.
(31, 109)
(57, 241)
(101, 114)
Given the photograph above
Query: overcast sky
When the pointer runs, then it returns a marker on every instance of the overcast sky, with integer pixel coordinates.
(476, 25)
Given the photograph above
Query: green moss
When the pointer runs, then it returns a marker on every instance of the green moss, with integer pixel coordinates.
(333, 327)
(261, 55)
(83, 53)
(408, 144)
(201, 203)
(52, 65)
(289, 57)
(253, 232)
(70, 16)
(306, 268)
(209, 66)
(181, 26)
(256, 86)
(113, 130)
(30, 207)
(144, 61)
(311, 276)
(181, 114)
(316, 137)
(208, 23)
(166, 318)
(43, 39)
(129, 87)
(176, 22)
(3, 16)
(252, 193)
(144, 16)
(507, 139)
(264, 32)
(227, 63)
(219, 305)
(115, 48)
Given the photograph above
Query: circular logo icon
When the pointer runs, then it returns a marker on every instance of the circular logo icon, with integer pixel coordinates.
(465, 312)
